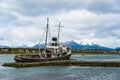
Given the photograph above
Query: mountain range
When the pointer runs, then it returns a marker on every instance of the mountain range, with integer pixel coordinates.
(4, 46)
(74, 45)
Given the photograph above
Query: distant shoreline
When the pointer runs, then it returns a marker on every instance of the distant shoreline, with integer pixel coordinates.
(92, 53)
(35, 51)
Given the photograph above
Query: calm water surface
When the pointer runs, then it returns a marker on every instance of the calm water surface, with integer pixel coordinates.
(62, 72)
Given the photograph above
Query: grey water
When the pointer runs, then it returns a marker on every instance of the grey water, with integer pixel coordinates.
(62, 72)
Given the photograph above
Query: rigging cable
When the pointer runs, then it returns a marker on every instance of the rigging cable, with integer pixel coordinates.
(49, 34)
(41, 39)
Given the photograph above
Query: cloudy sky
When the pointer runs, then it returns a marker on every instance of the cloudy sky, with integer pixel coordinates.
(86, 21)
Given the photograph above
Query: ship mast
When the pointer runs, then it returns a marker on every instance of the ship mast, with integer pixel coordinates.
(59, 26)
(47, 27)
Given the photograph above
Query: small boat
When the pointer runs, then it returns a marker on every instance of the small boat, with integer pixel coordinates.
(52, 52)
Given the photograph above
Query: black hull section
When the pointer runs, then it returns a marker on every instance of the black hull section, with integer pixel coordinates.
(36, 58)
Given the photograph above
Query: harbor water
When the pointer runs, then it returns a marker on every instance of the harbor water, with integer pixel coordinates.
(62, 72)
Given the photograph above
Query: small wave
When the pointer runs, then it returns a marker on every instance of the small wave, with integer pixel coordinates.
(112, 76)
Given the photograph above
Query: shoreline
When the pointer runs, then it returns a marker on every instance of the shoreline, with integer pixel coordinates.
(64, 63)
(92, 53)
(35, 50)
(72, 53)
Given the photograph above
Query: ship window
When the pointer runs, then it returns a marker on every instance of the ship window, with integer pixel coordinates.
(54, 39)
(54, 44)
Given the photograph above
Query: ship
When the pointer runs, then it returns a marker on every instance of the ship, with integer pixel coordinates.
(53, 51)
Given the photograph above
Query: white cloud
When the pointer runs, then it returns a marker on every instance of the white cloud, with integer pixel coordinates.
(90, 27)
(88, 21)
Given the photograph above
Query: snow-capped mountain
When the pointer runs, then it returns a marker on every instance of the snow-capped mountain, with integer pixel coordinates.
(74, 45)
